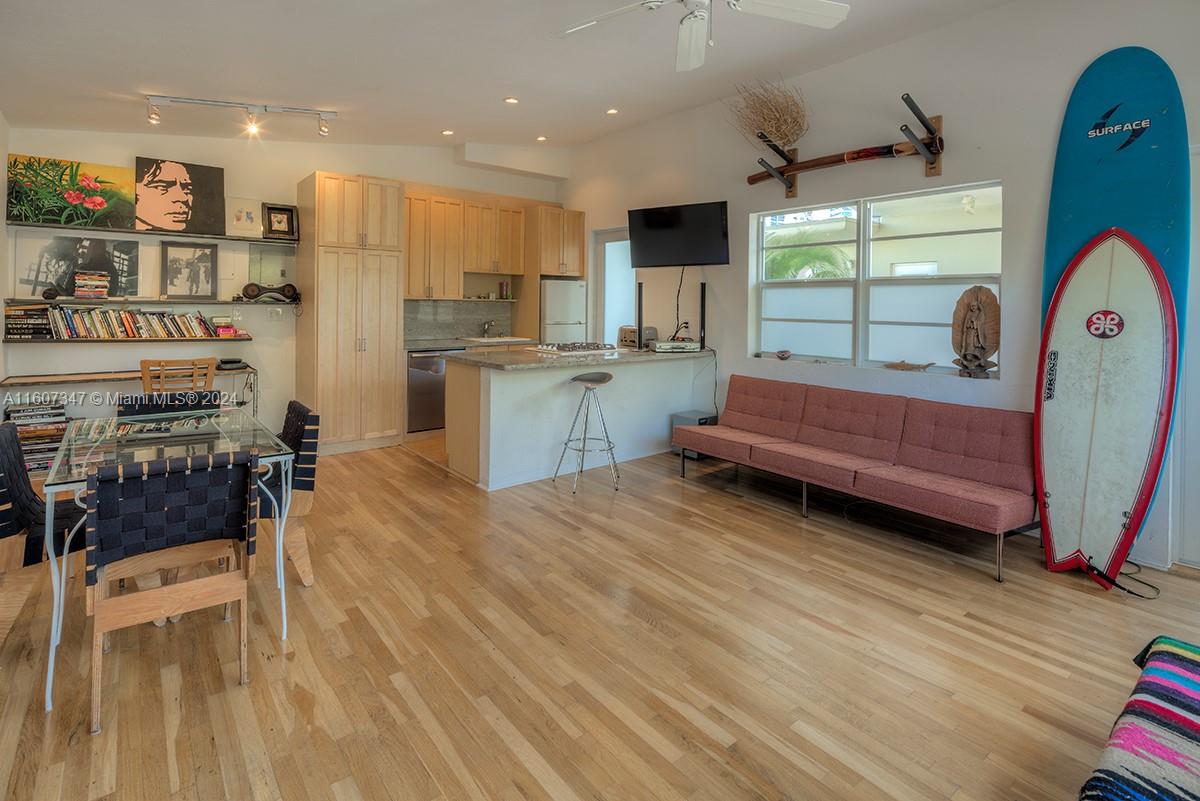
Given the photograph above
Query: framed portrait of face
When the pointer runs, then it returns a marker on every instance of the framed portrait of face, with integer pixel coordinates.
(279, 222)
(189, 271)
(178, 197)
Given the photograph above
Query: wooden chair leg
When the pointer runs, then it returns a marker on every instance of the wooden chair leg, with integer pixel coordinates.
(295, 543)
(97, 664)
(245, 668)
(149, 581)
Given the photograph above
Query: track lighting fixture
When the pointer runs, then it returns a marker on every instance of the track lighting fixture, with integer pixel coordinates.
(253, 111)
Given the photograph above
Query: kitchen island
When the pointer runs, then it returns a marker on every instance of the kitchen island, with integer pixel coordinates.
(508, 412)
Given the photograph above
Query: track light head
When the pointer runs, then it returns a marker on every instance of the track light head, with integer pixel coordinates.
(152, 114)
(322, 125)
(251, 123)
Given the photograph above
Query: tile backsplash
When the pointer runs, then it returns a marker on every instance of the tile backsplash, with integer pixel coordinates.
(448, 319)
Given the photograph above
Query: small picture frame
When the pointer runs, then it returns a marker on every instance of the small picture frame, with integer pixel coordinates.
(279, 222)
(243, 217)
(189, 271)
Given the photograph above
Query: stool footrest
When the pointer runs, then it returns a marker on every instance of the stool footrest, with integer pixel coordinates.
(575, 445)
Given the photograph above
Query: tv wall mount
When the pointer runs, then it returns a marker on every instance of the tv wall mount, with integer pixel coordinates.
(929, 147)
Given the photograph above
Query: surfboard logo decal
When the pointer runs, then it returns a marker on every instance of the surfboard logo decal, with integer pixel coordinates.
(1105, 324)
(1051, 378)
(1135, 128)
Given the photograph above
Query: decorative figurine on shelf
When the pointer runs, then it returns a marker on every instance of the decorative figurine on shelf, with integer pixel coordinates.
(909, 367)
(976, 331)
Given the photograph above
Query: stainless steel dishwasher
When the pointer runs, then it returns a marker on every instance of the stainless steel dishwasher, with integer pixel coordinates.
(427, 389)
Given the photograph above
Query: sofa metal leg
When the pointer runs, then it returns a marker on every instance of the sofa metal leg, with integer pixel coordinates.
(804, 499)
(1000, 558)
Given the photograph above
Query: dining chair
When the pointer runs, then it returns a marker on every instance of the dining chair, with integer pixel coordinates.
(159, 402)
(23, 511)
(166, 514)
(301, 429)
(177, 375)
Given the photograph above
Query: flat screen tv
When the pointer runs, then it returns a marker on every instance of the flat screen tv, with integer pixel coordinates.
(680, 236)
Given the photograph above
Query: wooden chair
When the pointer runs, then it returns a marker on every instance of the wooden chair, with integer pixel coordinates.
(162, 515)
(301, 428)
(23, 511)
(177, 375)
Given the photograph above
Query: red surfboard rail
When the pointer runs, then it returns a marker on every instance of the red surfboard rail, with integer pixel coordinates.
(1105, 574)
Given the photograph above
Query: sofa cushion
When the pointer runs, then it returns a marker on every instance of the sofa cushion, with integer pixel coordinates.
(764, 406)
(832, 469)
(858, 423)
(731, 444)
(970, 503)
(993, 446)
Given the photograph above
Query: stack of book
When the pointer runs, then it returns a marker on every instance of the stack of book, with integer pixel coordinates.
(40, 427)
(69, 322)
(91, 285)
(27, 322)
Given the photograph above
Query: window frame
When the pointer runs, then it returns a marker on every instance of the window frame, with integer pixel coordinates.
(863, 281)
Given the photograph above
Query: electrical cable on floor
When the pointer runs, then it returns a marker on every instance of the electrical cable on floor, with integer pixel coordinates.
(1130, 575)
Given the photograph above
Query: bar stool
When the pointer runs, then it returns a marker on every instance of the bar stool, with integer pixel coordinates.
(590, 382)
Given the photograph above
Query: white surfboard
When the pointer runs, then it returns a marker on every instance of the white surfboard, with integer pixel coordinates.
(1106, 388)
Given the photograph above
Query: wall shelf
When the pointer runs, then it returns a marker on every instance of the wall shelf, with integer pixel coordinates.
(63, 379)
(120, 232)
(124, 341)
(126, 301)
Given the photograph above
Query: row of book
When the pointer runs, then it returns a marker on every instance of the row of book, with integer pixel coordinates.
(66, 322)
(40, 427)
(27, 322)
(91, 285)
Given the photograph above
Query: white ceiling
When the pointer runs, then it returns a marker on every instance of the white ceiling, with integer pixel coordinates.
(401, 71)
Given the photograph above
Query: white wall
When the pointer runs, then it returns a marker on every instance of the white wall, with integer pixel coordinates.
(3, 228)
(1001, 79)
(259, 169)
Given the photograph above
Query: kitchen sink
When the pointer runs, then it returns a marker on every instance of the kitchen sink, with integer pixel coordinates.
(497, 340)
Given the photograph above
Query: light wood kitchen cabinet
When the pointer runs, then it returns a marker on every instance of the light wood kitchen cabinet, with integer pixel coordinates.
(339, 210)
(556, 238)
(349, 340)
(383, 205)
(435, 269)
(493, 239)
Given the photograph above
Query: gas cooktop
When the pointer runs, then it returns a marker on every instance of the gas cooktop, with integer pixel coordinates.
(574, 348)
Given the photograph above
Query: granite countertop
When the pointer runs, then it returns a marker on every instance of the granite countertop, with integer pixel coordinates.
(447, 344)
(528, 360)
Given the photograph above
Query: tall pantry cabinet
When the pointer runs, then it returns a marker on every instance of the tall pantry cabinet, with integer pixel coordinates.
(349, 336)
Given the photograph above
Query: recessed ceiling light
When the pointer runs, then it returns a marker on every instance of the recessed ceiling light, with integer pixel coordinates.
(447, 132)
(511, 100)
(612, 111)
(541, 139)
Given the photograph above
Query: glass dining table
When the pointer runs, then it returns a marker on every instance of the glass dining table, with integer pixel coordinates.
(92, 442)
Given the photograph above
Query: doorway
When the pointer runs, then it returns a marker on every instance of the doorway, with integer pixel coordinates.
(615, 287)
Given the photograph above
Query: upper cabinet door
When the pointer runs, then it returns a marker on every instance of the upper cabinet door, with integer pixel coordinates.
(445, 248)
(574, 247)
(383, 203)
(479, 238)
(416, 227)
(510, 241)
(550, 240)
(339, 210)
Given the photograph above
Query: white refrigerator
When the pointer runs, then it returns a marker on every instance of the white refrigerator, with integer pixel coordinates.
(564, 311)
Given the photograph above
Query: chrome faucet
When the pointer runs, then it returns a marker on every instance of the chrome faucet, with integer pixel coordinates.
(487, 327)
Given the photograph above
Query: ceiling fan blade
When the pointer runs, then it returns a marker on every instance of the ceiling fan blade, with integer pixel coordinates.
(815, 13)
(616, 12)
(693, 42)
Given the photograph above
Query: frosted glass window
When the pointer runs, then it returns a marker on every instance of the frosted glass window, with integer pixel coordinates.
(956, 254)
(823, 340)
(916, 344)
(925, 302)
(809, 302)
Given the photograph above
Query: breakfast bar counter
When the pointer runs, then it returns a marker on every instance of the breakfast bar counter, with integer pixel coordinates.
(508, 412)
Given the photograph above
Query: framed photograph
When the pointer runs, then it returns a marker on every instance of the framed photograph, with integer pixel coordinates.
(45, 262)
(243, 217)
(279, 222)
(178, 197)
(189, 271)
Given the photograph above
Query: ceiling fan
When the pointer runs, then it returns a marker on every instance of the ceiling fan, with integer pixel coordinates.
(695, 29)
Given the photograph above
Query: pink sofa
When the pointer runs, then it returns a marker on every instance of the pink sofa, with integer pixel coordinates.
(966, 465)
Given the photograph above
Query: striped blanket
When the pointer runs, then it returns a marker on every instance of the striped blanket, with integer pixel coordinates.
(1153, 753)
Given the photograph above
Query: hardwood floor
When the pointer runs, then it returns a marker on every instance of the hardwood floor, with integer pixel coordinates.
(678, 640)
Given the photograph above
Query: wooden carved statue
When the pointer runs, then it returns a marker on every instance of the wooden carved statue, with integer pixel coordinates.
(976, 331)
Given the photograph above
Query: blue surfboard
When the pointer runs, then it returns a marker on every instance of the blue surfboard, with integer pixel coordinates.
(1114, 307)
